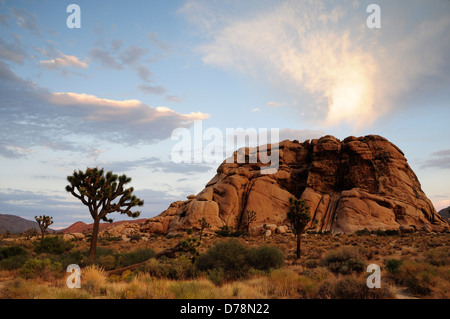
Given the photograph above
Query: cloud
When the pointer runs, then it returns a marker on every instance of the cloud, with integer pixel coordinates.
(439, 159)
(64, 61)
(173, 98)
(157, 165)
(323, 55)
(132, 55)
(154, 38)
(274, 104)
(104, 58)
(144, 73)
(26, 20)
(12, 51)
(149, 89)
(32, 116)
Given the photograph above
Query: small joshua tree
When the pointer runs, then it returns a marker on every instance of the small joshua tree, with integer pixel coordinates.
(203, 225)
(44, 222)
(299, 217)
(103, 194)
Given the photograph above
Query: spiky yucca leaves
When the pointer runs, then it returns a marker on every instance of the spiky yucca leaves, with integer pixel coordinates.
(299, 216)
(103, 194)
(43, 222)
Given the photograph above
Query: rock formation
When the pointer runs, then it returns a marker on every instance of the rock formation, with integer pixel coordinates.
(349, 185)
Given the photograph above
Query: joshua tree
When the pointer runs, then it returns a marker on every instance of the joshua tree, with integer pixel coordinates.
(44, 222)
(203, 225)
(103, 194)
(299, 217)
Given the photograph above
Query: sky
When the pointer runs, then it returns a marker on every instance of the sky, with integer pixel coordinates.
(111, 93)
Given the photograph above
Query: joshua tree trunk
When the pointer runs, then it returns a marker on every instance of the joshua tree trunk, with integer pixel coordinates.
(298, 246)
(94, 239)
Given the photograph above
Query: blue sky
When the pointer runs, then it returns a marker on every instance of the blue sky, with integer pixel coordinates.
(111, 93)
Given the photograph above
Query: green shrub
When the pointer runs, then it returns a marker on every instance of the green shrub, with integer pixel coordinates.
(52, 245)
(362, 232)
(265, 258)
(42, 268)
(6, 252)
(14, 262)
(393, 266)
(344, 260)
(229, 255)
(134, 257)
(226, 231)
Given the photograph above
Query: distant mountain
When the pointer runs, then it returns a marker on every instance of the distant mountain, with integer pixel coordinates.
(445, 213)
(15, 224)
(80, 227)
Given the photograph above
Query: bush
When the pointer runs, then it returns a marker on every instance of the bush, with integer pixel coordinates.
(52, 245)
(42, 268)
(14, 262)
(226, 231)
(344, 260)
(230, 255)
(229, 260)
(438, 257)
(265, 258)
(135, 257)
(6, 252)
(393, 266)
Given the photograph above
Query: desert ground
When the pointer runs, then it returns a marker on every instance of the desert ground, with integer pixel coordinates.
(415, 265)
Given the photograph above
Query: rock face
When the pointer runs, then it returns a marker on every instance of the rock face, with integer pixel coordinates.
(349, 185)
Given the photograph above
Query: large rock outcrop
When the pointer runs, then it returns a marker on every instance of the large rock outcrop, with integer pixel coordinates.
(349, 185)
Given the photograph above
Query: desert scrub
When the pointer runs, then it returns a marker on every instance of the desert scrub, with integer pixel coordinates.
(231, 256)
(232, 260)
(52, 245)
(438, 256)
(41, 268)
(344, 260)
(265, 258)
(13, 257)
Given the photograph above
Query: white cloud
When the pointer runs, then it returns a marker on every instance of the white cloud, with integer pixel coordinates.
(64, 61)
(324, 56)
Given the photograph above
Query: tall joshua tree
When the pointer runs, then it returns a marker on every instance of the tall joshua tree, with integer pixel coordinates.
(299, 216)
(103, 195)
(43, 222)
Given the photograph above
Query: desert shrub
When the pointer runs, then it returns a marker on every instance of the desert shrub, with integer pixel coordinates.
(175, 269)
(228, 231)
(107, 262)
(362, 232)
(311, 263)
(229, 255)
(417, 286)
(438, 257)
(348, 288)
(265, 258)
(393, 266)
(6, 252)
(52, 245)
(217, 276)
(14, 262)
(344, 260)
(134, 257)
(41, 268)
(12, 257)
